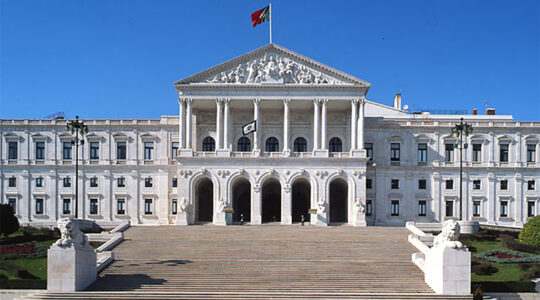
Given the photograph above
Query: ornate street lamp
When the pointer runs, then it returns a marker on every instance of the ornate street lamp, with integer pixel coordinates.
(77, 127)
(459, 130)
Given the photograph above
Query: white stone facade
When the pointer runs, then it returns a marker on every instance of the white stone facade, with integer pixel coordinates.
(194, 167)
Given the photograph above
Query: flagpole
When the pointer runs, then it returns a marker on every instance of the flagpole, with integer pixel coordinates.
(270, 23)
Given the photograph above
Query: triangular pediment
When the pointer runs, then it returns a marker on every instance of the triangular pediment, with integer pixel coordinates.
(273, 65)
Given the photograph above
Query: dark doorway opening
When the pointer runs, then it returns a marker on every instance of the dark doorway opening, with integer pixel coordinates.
(205, 200)
(242, 200)
(271, 201)
(301, 200)
(338, 201)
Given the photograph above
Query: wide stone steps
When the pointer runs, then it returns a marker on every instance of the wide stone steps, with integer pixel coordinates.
(260, 262)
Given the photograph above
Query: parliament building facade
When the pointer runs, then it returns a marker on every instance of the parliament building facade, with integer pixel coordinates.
(321, 152)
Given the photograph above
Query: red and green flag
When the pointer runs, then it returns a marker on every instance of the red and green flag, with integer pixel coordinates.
(262, 15)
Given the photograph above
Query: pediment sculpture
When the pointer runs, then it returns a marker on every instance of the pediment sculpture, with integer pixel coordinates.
(272, 69)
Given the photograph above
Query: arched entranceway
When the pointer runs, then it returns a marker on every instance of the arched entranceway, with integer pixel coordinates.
(339, 193)
(301, 200)
(271, 201)
(241, 195)
(204, 208)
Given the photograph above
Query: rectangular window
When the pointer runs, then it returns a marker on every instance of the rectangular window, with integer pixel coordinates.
(94, 150)
(13, 203)
(93, 206)
(449, 184)
(39, 182)
(120, 206)
(39, 206)
(67, 181)
(531, 153)
(530, 185)
(449, 152)
(477, 152)
(66, 206)
(395, 152)
(449, 208)
(422, 184)
(422, 208)
(504, 184)
(369, 183)
(12, 150)
(12, 182)
(121, 150)
(394, 207)
(369, 150)
(93, 182)
(531, 211)
(174, 182)
(476, 184)
(121, 182)
(369, 207)
(40, 150)
(503, 153)
(66, 150)
(476, 208)
(174, 208)
(174, 149)
(504, 208)
(422, 154)
(148, 150)
(395, 184)
(148, 203)
(148, 182)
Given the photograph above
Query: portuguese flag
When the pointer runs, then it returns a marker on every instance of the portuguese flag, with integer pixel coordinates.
(262, 15)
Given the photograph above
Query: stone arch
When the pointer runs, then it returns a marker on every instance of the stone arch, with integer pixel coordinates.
(301, 198)
(339, 202)
(271, 198)
(240, 187)
(193, 185)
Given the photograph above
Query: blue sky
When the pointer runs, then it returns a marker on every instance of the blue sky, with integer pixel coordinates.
(119, 58)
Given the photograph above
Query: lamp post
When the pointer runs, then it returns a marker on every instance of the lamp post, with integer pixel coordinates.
(459, 130)
(76, 126)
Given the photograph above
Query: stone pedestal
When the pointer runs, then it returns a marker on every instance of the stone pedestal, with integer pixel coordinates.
(220, 219)
(182, 218)
(469, 227)
(360, 220)
(223, 153)
(320, 153)
(185, 153)
(321, 219)
(71, 268)
(358, 153)
(448, 270)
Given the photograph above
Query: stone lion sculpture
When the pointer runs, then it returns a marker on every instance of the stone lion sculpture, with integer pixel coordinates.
(449, 235)
(70, 233)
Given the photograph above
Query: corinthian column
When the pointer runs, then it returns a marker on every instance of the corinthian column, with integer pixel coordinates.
(219, 130)
(181, 103)
(226, 129)
(354, 120)
(188, 123)
(316, 124)
(256, 112)
(323, 142)
(361, 105)
(286, 127)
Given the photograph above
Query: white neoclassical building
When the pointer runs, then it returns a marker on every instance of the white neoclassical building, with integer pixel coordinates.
(322, 152)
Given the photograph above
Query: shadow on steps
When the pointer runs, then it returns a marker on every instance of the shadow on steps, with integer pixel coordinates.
(126, 282)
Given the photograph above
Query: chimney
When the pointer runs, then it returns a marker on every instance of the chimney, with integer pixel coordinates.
(474, 111)
(397, 101)
(490, 111)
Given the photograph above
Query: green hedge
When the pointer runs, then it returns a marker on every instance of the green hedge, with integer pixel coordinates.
(530, 234)
(23, 284)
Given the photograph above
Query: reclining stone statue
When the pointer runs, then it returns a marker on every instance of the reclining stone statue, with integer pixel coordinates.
(70, 233)
(449, 235)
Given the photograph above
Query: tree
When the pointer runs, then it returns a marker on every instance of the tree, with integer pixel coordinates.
(530, 234)
(8, 222)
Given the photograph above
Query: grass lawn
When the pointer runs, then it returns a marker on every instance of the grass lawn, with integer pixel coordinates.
(35, 266)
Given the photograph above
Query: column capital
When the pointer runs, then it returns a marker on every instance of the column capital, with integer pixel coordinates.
(286, 101)
(256, 101)
(323, 101)
(316, 102)
(182, 100)
(188, 100)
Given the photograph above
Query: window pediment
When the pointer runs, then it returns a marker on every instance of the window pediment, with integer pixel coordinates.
(423, 138)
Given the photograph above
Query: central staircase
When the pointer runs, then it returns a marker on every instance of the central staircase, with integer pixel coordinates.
(260, 262)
